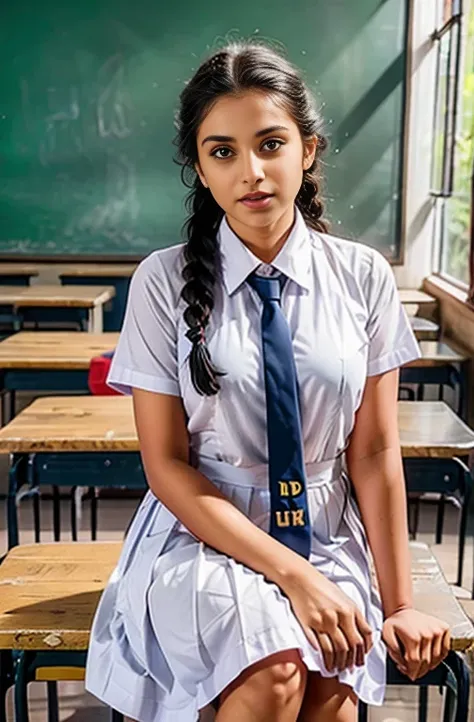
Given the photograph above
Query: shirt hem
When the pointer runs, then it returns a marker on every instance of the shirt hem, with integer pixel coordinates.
(123, 380)
(392, 360)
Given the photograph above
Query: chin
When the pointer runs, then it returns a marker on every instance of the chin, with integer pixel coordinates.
(259, 218)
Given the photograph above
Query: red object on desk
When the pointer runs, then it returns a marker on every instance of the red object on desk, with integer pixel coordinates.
(98, 372)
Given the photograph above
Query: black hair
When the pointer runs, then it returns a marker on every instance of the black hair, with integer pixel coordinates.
(236, 68)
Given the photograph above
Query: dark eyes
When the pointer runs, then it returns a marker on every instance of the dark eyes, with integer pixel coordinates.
(228, 152)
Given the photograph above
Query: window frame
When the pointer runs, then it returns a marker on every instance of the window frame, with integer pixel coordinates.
(453, 24)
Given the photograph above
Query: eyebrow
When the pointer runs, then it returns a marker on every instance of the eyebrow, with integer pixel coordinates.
(229, 139)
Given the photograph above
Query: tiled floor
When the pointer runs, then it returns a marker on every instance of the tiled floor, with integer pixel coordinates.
(77, 706)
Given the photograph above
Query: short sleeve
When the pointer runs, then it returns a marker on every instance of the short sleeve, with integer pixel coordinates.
(146, 356)
(392, 342)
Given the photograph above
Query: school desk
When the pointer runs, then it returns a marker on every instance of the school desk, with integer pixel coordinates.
(117, 275)
(17, 274)
(80, 304)
(411, 296)
(48, 361)
(424, 329)
(441, 364)
(50, 593)
(90, 441)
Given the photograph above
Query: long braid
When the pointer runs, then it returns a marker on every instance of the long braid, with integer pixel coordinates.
(199, 274)
(309, 199)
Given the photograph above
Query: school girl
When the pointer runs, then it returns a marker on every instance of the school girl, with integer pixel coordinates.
(262, 355)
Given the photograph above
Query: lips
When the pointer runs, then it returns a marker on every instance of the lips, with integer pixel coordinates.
(256, 196)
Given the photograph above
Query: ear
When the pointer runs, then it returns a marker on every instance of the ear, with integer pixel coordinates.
(201, 175)
(309, 152)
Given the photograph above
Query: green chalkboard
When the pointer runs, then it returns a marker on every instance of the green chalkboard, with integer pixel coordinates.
(87, 102)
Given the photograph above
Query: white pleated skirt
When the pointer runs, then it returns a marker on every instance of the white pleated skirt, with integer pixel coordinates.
(179, 620)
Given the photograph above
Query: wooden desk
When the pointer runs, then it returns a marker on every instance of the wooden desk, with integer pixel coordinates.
(411, 296)
(431, 429)
(98, 270)
(54, 350)
(33, 299)
(428, 429)
(424, 329)
(441, 364)
(17, 274)
(48, 361)
(62, 585)
(73, 424)
(438, 353)
(50, 594)
(116, 274)
(56, 576)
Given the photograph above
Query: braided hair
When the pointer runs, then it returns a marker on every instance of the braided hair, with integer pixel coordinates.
(238, 67)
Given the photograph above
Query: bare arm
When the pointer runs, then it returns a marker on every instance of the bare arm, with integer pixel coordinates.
(375, 467)
(194, 500)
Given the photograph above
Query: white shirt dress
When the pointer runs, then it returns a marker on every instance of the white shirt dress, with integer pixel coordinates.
(179, 620)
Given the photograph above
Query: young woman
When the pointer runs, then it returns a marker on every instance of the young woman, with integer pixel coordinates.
(219, 595)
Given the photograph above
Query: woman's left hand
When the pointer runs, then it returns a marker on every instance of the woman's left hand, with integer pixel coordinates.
(416, 642)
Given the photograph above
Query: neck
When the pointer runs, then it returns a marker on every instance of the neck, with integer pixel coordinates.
(266, 242)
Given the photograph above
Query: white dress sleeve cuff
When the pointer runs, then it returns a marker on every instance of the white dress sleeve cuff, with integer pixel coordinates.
(393, 359)
(123, 380)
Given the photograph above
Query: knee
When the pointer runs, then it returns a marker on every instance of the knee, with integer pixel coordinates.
(286, 678)
(275, 680)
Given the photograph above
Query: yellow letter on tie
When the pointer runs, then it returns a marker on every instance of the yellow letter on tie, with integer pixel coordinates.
(297, 515)
(284, 488)
(296, 488)
(286, 518)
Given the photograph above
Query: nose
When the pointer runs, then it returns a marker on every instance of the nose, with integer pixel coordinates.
(252, 169)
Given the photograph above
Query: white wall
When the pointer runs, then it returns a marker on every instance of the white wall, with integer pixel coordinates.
(419, 207)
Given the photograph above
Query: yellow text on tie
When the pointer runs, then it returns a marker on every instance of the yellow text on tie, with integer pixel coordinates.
(283, 518)
(290, 488)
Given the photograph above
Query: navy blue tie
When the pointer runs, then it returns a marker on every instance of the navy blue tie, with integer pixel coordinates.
(290, 522)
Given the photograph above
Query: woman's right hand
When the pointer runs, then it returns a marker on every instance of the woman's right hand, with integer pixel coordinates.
(330, 620)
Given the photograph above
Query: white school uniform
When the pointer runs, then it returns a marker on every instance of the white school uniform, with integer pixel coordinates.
(179, 620)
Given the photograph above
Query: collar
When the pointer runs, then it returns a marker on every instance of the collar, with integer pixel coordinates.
(238, 262)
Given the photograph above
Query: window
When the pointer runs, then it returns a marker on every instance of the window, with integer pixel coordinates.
(452, 160)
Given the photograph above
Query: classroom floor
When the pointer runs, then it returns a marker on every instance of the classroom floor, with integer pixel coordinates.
(78, 706)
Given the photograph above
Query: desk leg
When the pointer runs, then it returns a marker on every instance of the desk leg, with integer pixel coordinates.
(458, 699)
(17, 477)
(37, 514)
(363, 713)
(56, 514)
(73, 514)
(6, 681)
(53, 705)
(116, 716)
(21, 688)
(94, 501)
(463, 523)
(8, 406)
(423, 705)
(95, 322)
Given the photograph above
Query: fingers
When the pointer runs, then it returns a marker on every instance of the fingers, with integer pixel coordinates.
(365, 630)
(440, 647)
(436, 650)
(446, 643)
(327, 650)
(341, 642)
(424, 652)
(358, 644)
(393, 646)
(425, 657)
